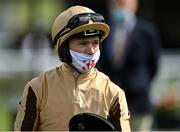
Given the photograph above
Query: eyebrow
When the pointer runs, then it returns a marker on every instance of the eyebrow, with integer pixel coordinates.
(87, 40)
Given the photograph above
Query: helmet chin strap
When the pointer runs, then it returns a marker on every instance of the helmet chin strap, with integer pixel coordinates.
(63, 52)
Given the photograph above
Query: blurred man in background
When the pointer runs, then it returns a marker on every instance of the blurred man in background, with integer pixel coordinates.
(131, 61)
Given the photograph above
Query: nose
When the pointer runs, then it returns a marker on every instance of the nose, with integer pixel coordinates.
(90, 49)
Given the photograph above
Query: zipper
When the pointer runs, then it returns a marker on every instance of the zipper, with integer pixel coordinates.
(76, 100)
(79, 100)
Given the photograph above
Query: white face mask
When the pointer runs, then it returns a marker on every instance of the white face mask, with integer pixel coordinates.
(84, 62)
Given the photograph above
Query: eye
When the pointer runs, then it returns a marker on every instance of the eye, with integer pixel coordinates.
(83, 43)
(95, 43)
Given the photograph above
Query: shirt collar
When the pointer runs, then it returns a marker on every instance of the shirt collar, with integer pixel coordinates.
(68, 70)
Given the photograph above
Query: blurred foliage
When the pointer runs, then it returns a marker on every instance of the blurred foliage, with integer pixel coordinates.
(15, 83)
(170, 101)
(20, 15)
(17, 18)
(5, 118)
(11, 88)
(167, 114)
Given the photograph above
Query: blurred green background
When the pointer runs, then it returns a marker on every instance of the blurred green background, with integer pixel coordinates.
(18, 65)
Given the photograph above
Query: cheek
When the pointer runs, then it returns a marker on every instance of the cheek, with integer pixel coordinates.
(81, 50)
(78, 49)
(97, 49)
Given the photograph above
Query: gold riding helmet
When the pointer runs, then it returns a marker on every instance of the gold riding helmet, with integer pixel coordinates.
(76, 20)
